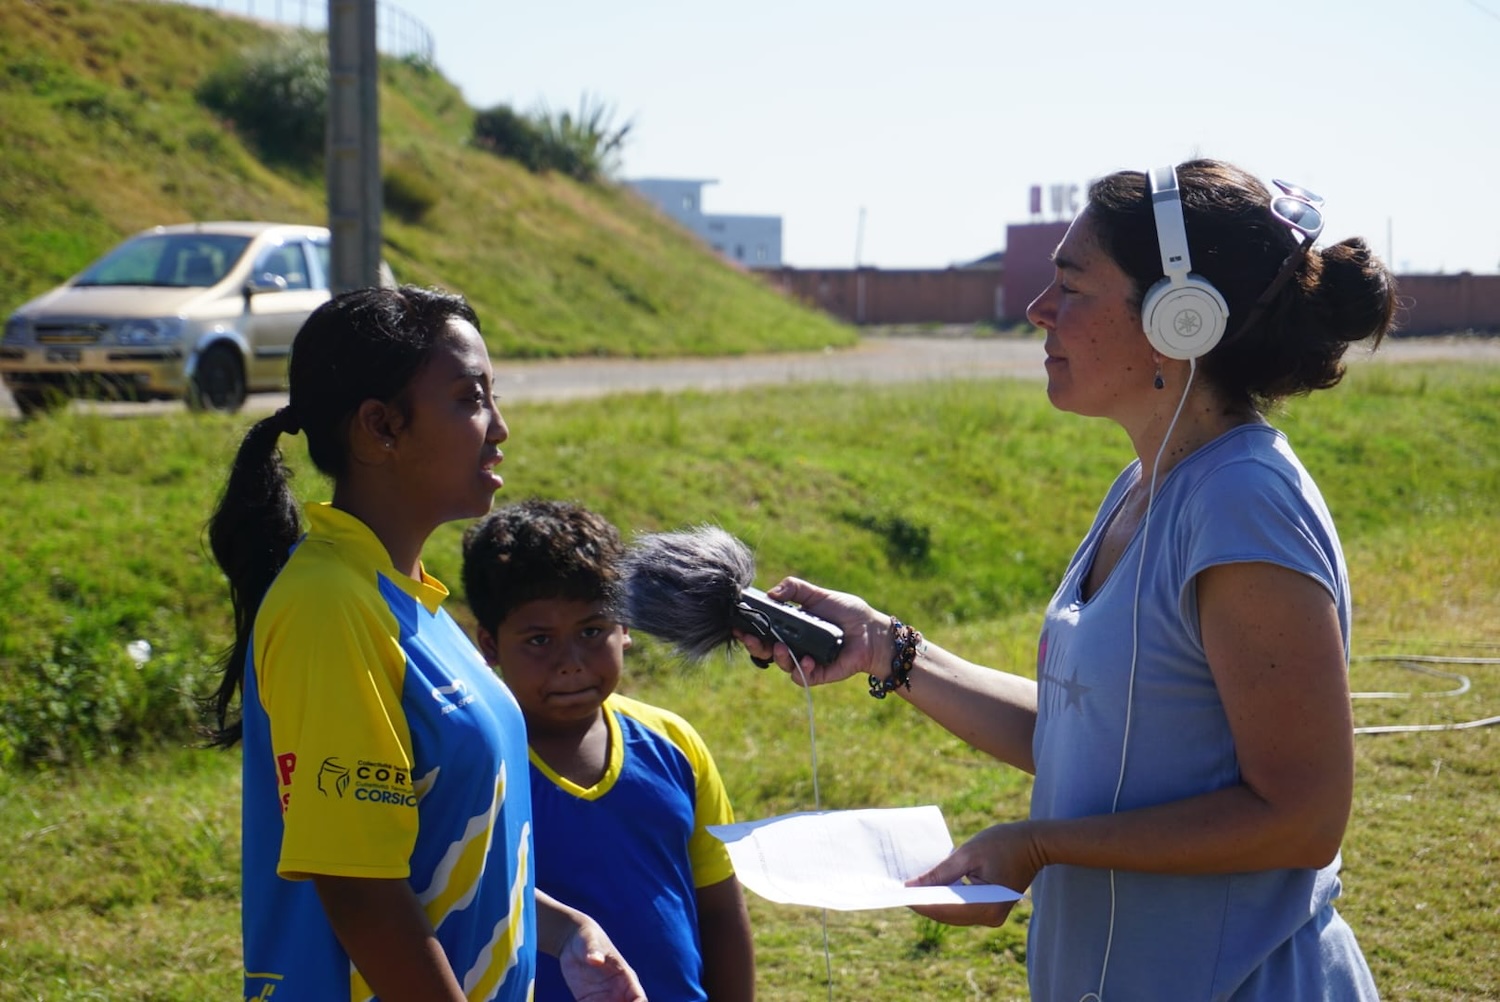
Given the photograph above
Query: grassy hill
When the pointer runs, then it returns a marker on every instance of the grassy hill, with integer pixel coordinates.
(104, 137)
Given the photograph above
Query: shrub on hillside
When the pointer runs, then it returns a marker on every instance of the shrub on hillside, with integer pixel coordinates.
(585, 146)
(276, 96)
(507, 133)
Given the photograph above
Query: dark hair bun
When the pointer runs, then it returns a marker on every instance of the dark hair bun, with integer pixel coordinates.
(1355, 297)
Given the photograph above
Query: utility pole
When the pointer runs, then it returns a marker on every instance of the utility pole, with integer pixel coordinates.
(353, 151)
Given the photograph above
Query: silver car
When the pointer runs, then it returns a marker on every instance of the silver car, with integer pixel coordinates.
(202, 312)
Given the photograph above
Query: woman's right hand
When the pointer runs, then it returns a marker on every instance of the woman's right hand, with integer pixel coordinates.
(867, 634)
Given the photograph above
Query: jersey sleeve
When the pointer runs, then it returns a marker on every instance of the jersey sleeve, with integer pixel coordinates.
(330, 671)
(709, 856)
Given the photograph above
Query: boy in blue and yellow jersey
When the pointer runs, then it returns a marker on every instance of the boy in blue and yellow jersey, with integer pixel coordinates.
(607, 771)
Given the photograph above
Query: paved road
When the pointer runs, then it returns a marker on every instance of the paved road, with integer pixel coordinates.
(874, 360)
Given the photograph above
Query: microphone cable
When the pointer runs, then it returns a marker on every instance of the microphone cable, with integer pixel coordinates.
(812, 739)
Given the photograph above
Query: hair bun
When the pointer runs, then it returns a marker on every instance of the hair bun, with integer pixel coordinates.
(1355, 294)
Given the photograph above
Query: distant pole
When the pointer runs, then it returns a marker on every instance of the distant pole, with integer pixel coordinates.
(859, 237)
(353, 150)
(859, 273)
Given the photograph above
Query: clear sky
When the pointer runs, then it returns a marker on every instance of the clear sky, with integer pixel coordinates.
(933, 119)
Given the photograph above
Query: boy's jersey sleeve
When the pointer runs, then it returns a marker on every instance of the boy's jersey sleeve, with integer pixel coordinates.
(707, 855)
(330, 677)
(710, 857)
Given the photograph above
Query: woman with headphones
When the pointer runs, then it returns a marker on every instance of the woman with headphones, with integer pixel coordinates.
(1189, 726)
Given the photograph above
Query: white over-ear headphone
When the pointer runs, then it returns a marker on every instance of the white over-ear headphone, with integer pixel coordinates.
(1183, 314)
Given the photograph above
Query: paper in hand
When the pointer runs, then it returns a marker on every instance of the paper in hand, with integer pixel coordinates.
(849, 860)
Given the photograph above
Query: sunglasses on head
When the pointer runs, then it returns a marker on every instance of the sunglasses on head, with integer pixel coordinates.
(1300, 211)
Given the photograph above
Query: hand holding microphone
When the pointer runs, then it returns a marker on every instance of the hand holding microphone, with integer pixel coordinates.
(867, 634)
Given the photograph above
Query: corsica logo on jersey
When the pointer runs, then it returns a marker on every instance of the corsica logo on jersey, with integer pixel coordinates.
(367, 782)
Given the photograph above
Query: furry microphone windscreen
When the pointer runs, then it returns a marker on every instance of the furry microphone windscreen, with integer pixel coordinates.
(682, 586)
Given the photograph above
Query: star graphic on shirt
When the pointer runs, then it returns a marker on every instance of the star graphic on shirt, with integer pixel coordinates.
(1073, 690)
(1076, 690)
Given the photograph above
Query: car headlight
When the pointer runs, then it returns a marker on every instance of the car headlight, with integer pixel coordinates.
(157, 330)
(15, 330)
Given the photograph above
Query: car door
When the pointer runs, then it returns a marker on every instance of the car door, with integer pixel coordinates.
(282, 290)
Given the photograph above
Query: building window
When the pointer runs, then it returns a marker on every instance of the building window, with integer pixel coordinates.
(687, 203)
(739, 252)
(760, 252)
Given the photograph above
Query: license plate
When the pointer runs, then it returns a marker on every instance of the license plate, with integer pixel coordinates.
(64, 355)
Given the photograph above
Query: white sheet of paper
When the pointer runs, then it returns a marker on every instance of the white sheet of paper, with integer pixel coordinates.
(848, 860)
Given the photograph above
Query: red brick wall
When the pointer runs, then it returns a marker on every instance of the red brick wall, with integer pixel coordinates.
(938, 296)
(876, 296)
(1430, 304)
(1433, 304)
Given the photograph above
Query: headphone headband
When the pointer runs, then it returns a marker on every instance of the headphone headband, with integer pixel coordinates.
(1171, 229)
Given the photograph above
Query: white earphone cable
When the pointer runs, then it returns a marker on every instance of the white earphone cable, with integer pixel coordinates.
(1135, 647)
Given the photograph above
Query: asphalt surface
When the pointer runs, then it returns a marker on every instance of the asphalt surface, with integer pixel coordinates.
(880, 359)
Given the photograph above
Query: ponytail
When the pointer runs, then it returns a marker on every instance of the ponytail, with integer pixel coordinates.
(251, 534)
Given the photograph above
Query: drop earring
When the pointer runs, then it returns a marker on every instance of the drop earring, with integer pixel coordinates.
(1158, 382)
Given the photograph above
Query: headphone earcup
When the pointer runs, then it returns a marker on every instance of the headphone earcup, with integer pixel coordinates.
(1184, 320)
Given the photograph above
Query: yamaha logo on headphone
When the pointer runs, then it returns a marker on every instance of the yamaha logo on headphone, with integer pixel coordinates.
(1183, 314)
(1187, 323)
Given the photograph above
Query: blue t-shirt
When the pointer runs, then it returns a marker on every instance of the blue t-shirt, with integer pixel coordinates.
(377, 743)
(632, 850)
(1269, 935)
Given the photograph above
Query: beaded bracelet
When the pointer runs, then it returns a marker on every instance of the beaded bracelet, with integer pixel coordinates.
(905, 642)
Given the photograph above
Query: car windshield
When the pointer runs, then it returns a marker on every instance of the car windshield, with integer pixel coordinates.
(181, 260)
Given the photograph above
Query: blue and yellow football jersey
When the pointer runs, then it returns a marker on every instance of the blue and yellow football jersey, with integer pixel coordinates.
(633, 849)
(377, 743)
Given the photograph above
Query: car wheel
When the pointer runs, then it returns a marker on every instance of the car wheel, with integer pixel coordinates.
(36, 402)
(219, 381)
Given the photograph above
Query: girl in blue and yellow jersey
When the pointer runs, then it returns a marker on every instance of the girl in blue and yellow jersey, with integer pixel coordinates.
(387, 816)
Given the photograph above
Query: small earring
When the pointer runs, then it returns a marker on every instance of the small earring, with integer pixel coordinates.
(1159, 382)
(391, 445)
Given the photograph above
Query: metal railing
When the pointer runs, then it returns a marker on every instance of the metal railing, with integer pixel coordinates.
(397, 33)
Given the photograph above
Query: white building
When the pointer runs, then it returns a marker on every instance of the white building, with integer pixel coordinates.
(754, 241)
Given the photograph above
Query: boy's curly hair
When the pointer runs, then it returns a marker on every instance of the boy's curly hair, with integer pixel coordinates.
(539, 549)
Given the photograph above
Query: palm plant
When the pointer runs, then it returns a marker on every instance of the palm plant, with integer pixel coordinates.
(585, 146)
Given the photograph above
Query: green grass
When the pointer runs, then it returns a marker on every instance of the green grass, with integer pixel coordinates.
(954, 507)
(123, 881)
(103, 137)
